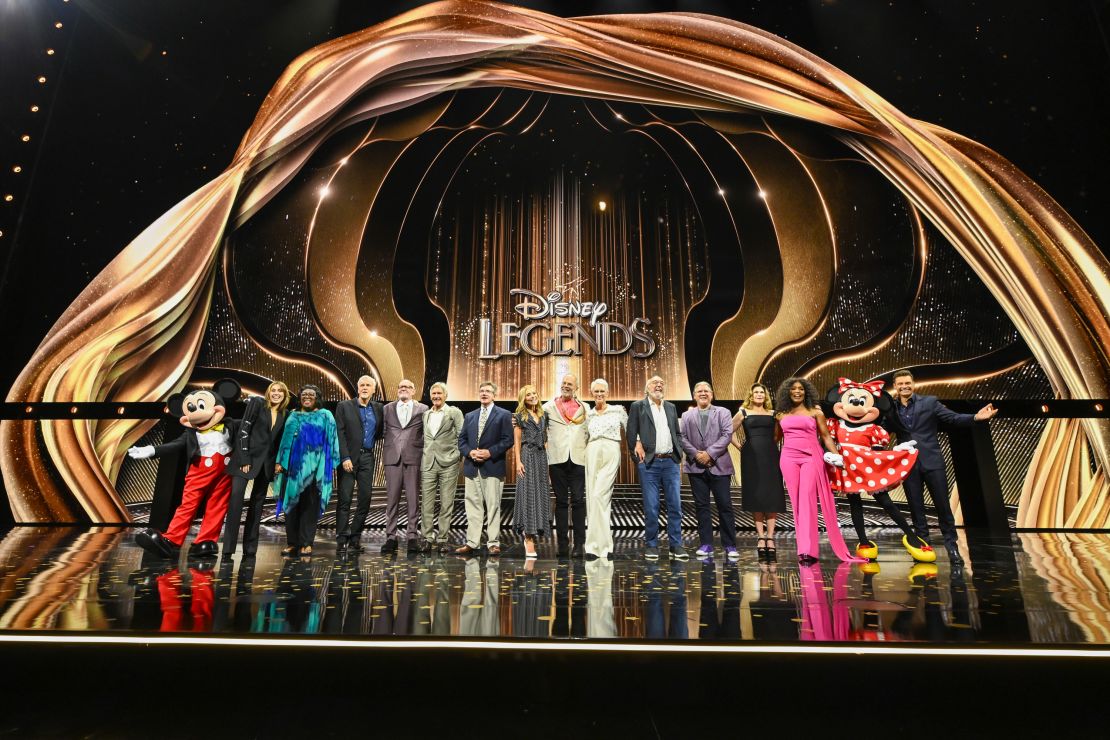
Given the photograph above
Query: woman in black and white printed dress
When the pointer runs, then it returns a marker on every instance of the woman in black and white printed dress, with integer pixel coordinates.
(532, 509)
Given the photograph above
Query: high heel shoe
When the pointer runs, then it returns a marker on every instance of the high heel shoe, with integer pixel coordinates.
(761, 550)
(772, 550)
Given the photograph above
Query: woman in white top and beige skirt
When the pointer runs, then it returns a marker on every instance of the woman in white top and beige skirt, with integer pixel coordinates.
(604, 424)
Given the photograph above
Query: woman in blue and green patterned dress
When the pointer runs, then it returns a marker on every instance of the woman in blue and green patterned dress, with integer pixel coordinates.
(306, 462)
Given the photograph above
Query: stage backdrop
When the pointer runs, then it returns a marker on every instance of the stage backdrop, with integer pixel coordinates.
(474, 191)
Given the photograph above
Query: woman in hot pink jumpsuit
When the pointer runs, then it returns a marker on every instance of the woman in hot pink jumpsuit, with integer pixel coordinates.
(803, 468)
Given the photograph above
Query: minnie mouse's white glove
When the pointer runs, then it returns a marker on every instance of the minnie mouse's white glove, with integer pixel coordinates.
(834, 459)
(906, 446)
(141, 453)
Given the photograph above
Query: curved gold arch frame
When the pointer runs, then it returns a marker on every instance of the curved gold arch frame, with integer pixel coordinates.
(136, 329)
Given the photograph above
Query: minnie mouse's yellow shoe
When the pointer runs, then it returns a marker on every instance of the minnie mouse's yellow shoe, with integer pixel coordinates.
(867, 550)
(922, 570)
(922, 554)
(869, 568)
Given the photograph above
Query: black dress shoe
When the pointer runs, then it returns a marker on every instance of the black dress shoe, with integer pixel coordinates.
(954, 557)
(354, 546)
(155, 543)
(413, 547)
(578, 551)
(389, 547)
(206, 549)
(563, 551)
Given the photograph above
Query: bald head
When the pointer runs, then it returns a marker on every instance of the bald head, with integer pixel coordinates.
(568, 386)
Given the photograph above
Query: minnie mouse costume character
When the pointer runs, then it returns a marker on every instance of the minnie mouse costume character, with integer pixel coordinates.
(209, 450)
(869, 467)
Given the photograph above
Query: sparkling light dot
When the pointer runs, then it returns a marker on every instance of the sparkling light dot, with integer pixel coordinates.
(9, 198)
(34, 109)
(324, 191)
(602, 205)
(25, 137)
(42, 79)
(762, 194)
(50, 52)
(17, 169)
(58, 24)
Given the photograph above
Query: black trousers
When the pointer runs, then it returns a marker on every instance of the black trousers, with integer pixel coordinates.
(254, 512)
(937, 482)
(345, 528)
(703, 485)
(301, 520)
(568, 480)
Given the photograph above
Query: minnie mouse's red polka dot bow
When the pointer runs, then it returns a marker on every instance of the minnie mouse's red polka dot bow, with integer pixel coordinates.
(875, 387)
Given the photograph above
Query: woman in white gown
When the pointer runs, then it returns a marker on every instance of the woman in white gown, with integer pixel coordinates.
(604, 424)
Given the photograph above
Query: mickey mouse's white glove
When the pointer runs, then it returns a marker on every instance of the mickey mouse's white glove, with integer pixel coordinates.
(141, 453)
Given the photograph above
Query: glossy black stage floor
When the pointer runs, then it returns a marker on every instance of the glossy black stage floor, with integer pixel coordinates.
(99, 641)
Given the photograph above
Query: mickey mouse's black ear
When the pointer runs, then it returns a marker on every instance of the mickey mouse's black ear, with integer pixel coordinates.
(227, 389)
(834, 394)
(175, 404)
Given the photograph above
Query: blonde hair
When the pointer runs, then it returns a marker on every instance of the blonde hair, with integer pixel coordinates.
(768, 398)
(284, 389)
(524, 391)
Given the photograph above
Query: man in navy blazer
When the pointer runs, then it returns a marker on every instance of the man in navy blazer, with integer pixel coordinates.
(656, 445)
(915, 418)
(706, 431)
(486, 436)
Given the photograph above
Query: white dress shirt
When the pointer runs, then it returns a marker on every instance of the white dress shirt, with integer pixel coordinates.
(663, 444)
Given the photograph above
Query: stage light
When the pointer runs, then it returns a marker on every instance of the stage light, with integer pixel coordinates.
(721, 191)
(344, 161)
(1098, 407)
(28, 409)
(1044, 408)
(50, 52)
(42, 79)
(25, 137)
(324, 192)
(120, 410)
(58, 24)
(17, 169)
(73, 409)
(602, 205)
(619, 117)
(34, 109)
(762, 194)
(165, 409)
(9, 198)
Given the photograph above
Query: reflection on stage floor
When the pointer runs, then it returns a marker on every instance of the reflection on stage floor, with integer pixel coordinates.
(1028, 589)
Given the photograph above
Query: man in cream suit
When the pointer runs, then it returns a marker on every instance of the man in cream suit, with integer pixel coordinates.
(404, 448)
(566, 461)
(439, 470)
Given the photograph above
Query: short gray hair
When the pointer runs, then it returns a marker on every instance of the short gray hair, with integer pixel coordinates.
(600, 381)
(651, 380)
(489, 383)
(442, 386)
(700, 383)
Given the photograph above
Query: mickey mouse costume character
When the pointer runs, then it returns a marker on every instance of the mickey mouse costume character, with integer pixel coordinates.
(207, 480)
(869, 467)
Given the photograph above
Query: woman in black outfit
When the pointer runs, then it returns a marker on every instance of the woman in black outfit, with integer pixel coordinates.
(761, 488)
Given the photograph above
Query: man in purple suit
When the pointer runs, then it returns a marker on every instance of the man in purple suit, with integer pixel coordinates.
(706, 432)
(402, 454)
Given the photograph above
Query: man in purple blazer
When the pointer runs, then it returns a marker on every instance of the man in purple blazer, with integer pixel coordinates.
(706, 432)
(403, 422)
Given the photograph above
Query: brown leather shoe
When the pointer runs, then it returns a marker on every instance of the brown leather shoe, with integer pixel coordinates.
(494, 551)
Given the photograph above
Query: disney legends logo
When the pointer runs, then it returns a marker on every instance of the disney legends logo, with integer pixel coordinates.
(544, 337)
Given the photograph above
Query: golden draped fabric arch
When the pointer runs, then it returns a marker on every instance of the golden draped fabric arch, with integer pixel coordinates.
(135, 332)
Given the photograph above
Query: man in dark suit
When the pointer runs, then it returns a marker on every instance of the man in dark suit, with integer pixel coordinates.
(253, 459)
(359, 423)
(487, 435)
(403, 451)
(656, 445)
(915, 418)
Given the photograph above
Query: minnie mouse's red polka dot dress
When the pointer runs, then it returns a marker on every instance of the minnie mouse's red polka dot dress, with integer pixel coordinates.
(866, 470)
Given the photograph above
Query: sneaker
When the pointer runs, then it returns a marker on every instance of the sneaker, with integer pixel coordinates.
(732, 553)
(677, 553)
(705, 551)
(651, 553)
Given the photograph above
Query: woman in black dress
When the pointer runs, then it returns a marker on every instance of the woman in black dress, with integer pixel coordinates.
(532, 507)
(761, 488)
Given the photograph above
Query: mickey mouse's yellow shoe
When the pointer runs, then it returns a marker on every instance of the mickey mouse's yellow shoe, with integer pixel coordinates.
(922, 554)
(923, 570)
(867, 550)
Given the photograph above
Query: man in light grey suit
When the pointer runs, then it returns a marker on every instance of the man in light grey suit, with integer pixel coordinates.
(566, 463)
(404, 448)
(439, 470)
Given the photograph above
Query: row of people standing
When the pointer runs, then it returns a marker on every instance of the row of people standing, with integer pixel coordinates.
(577, 450)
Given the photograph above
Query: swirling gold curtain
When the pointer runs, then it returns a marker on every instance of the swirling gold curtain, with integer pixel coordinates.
(134, 333)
